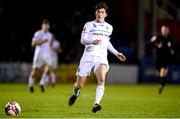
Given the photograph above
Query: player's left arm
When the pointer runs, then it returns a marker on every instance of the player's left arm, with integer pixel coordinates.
(119, 55)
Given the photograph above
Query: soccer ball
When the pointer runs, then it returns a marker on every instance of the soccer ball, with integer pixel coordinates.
(12, 108)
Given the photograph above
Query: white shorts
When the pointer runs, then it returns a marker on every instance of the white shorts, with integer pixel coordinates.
(88, 63)
(42, 60)
(54, 61)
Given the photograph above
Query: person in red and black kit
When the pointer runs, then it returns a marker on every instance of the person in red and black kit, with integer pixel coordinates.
(164, 53)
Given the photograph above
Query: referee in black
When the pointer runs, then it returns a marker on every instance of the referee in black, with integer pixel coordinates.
(164, 53)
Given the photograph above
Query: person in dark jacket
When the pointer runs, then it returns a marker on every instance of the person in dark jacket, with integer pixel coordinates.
(164, 52)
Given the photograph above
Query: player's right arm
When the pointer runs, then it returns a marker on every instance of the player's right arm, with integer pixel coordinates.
(37, 40)
(86, 39)
(40, 42)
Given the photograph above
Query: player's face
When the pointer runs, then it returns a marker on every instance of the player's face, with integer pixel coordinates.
(100, 14)
(165, 31)
(45, 27)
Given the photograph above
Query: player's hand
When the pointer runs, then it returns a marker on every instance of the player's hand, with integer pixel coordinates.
(121, 57)
(153, 39)
(43, 41)
(97, 42)
(172, 52)
(60, 50)
(159, 45)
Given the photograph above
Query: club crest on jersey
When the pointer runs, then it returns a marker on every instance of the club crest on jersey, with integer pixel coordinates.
(94, 25)
(107, 27)
(84, 29)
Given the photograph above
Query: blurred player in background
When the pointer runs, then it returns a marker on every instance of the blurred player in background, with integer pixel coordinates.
(95, 36)
(163, 45)
(55, 49)
(41, 41)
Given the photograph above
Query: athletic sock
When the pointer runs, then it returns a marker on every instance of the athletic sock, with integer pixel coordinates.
(53, 78)
(159, 79)
(163, 81)
(31, 81)
(44, 78)
(76, 91)
(99, 94)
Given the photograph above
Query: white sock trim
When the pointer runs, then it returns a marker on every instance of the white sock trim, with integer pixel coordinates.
(44, 78)
(53, 78)
(31, 81)
(99, 93)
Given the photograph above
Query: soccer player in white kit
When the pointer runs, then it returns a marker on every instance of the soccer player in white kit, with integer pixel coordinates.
(55, 49)
(95, 36)
(41, 41)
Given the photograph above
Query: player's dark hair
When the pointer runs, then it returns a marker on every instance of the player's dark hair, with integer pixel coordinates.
(101, 5)
(45, 21)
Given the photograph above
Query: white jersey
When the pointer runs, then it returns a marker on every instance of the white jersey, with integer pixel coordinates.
(94, 30)
(42, 52)
(45, 47)
(94, 55)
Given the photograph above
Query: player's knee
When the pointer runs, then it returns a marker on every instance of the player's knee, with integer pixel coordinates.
(48, 70)
(34, 73)
(101, 82)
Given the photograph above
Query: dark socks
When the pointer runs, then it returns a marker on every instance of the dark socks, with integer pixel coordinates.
(162, 83)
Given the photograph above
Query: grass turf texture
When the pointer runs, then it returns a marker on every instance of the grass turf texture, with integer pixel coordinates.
(119, 101)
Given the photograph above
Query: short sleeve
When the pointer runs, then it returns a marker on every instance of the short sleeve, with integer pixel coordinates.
(86, 28)
(37, 36)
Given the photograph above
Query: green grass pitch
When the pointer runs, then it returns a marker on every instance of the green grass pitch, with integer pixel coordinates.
(119, 101)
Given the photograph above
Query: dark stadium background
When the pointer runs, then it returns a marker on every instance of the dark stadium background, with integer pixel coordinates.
(134, 22)
(20, 19)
